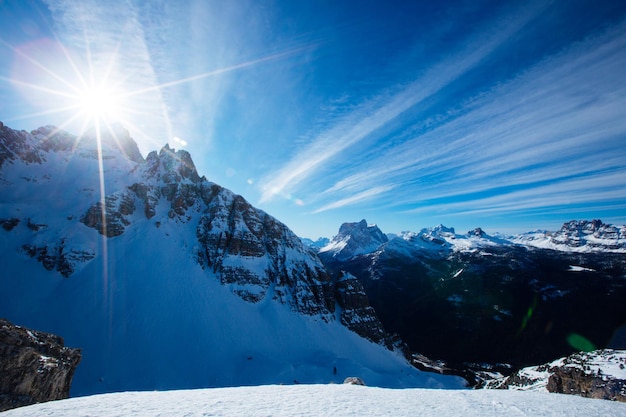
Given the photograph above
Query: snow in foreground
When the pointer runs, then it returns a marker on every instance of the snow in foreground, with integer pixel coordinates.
(325, 400)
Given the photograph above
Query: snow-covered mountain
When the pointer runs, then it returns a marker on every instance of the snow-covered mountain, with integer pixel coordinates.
(166, 280)
(316, 244)
(508, 301)
(354, 239)
(580, 236)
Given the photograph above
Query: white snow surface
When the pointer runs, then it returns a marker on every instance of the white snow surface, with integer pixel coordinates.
(324, 400)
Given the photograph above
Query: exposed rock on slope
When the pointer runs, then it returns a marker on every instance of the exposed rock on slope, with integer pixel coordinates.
(598, 374)
(34, 366)
(355, 311)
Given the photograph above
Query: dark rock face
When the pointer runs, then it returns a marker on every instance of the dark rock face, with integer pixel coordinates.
(477, 232)
(577, 382)
(355, 310)
(9, 224)
(34, 366)
(58, 257)
(14, 144)
(111, 221)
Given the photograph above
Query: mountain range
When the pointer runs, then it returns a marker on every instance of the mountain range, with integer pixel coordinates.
(166, 280)
(474, 300)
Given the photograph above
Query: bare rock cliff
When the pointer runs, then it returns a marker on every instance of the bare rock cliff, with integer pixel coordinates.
(34, 366)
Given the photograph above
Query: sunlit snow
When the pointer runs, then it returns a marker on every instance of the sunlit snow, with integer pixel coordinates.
(325, 400)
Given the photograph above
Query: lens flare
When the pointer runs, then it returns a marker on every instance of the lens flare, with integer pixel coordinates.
(579, 342)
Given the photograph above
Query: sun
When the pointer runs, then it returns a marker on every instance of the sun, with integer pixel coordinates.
(99, 103)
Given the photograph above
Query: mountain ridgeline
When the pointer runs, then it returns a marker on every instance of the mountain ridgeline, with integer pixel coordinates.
(166, 280)
(474, 298)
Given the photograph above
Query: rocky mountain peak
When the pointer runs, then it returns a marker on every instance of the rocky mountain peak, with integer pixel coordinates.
(36, 146)
(355, 239)
(589, 235)
(441, 230)
(171, 166)
(582, 226)
(478, 232)
(118, 137)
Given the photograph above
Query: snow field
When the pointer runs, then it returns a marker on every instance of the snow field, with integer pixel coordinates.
(324, 400)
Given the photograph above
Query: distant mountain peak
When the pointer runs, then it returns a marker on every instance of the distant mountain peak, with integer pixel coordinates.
(478, 232)
(578, 236)
(355, 239)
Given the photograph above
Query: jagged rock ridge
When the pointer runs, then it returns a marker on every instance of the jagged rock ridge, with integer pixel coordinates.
(579, 236)
(34, 366)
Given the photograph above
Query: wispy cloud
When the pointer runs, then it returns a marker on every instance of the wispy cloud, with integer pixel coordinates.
(607, 188)
(362, 196)
(369, 117)
(553, 135)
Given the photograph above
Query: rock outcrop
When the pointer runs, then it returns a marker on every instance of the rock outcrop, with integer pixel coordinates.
(598, 374)
(34, 366)
(355, 310)
(354, 380)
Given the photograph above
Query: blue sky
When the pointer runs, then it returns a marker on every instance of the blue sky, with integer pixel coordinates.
(506, 115)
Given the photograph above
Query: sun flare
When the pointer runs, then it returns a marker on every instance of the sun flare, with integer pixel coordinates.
(99, 103)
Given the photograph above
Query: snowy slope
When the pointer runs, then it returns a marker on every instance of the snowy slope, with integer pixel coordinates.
(186, 286)
(325, 400)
